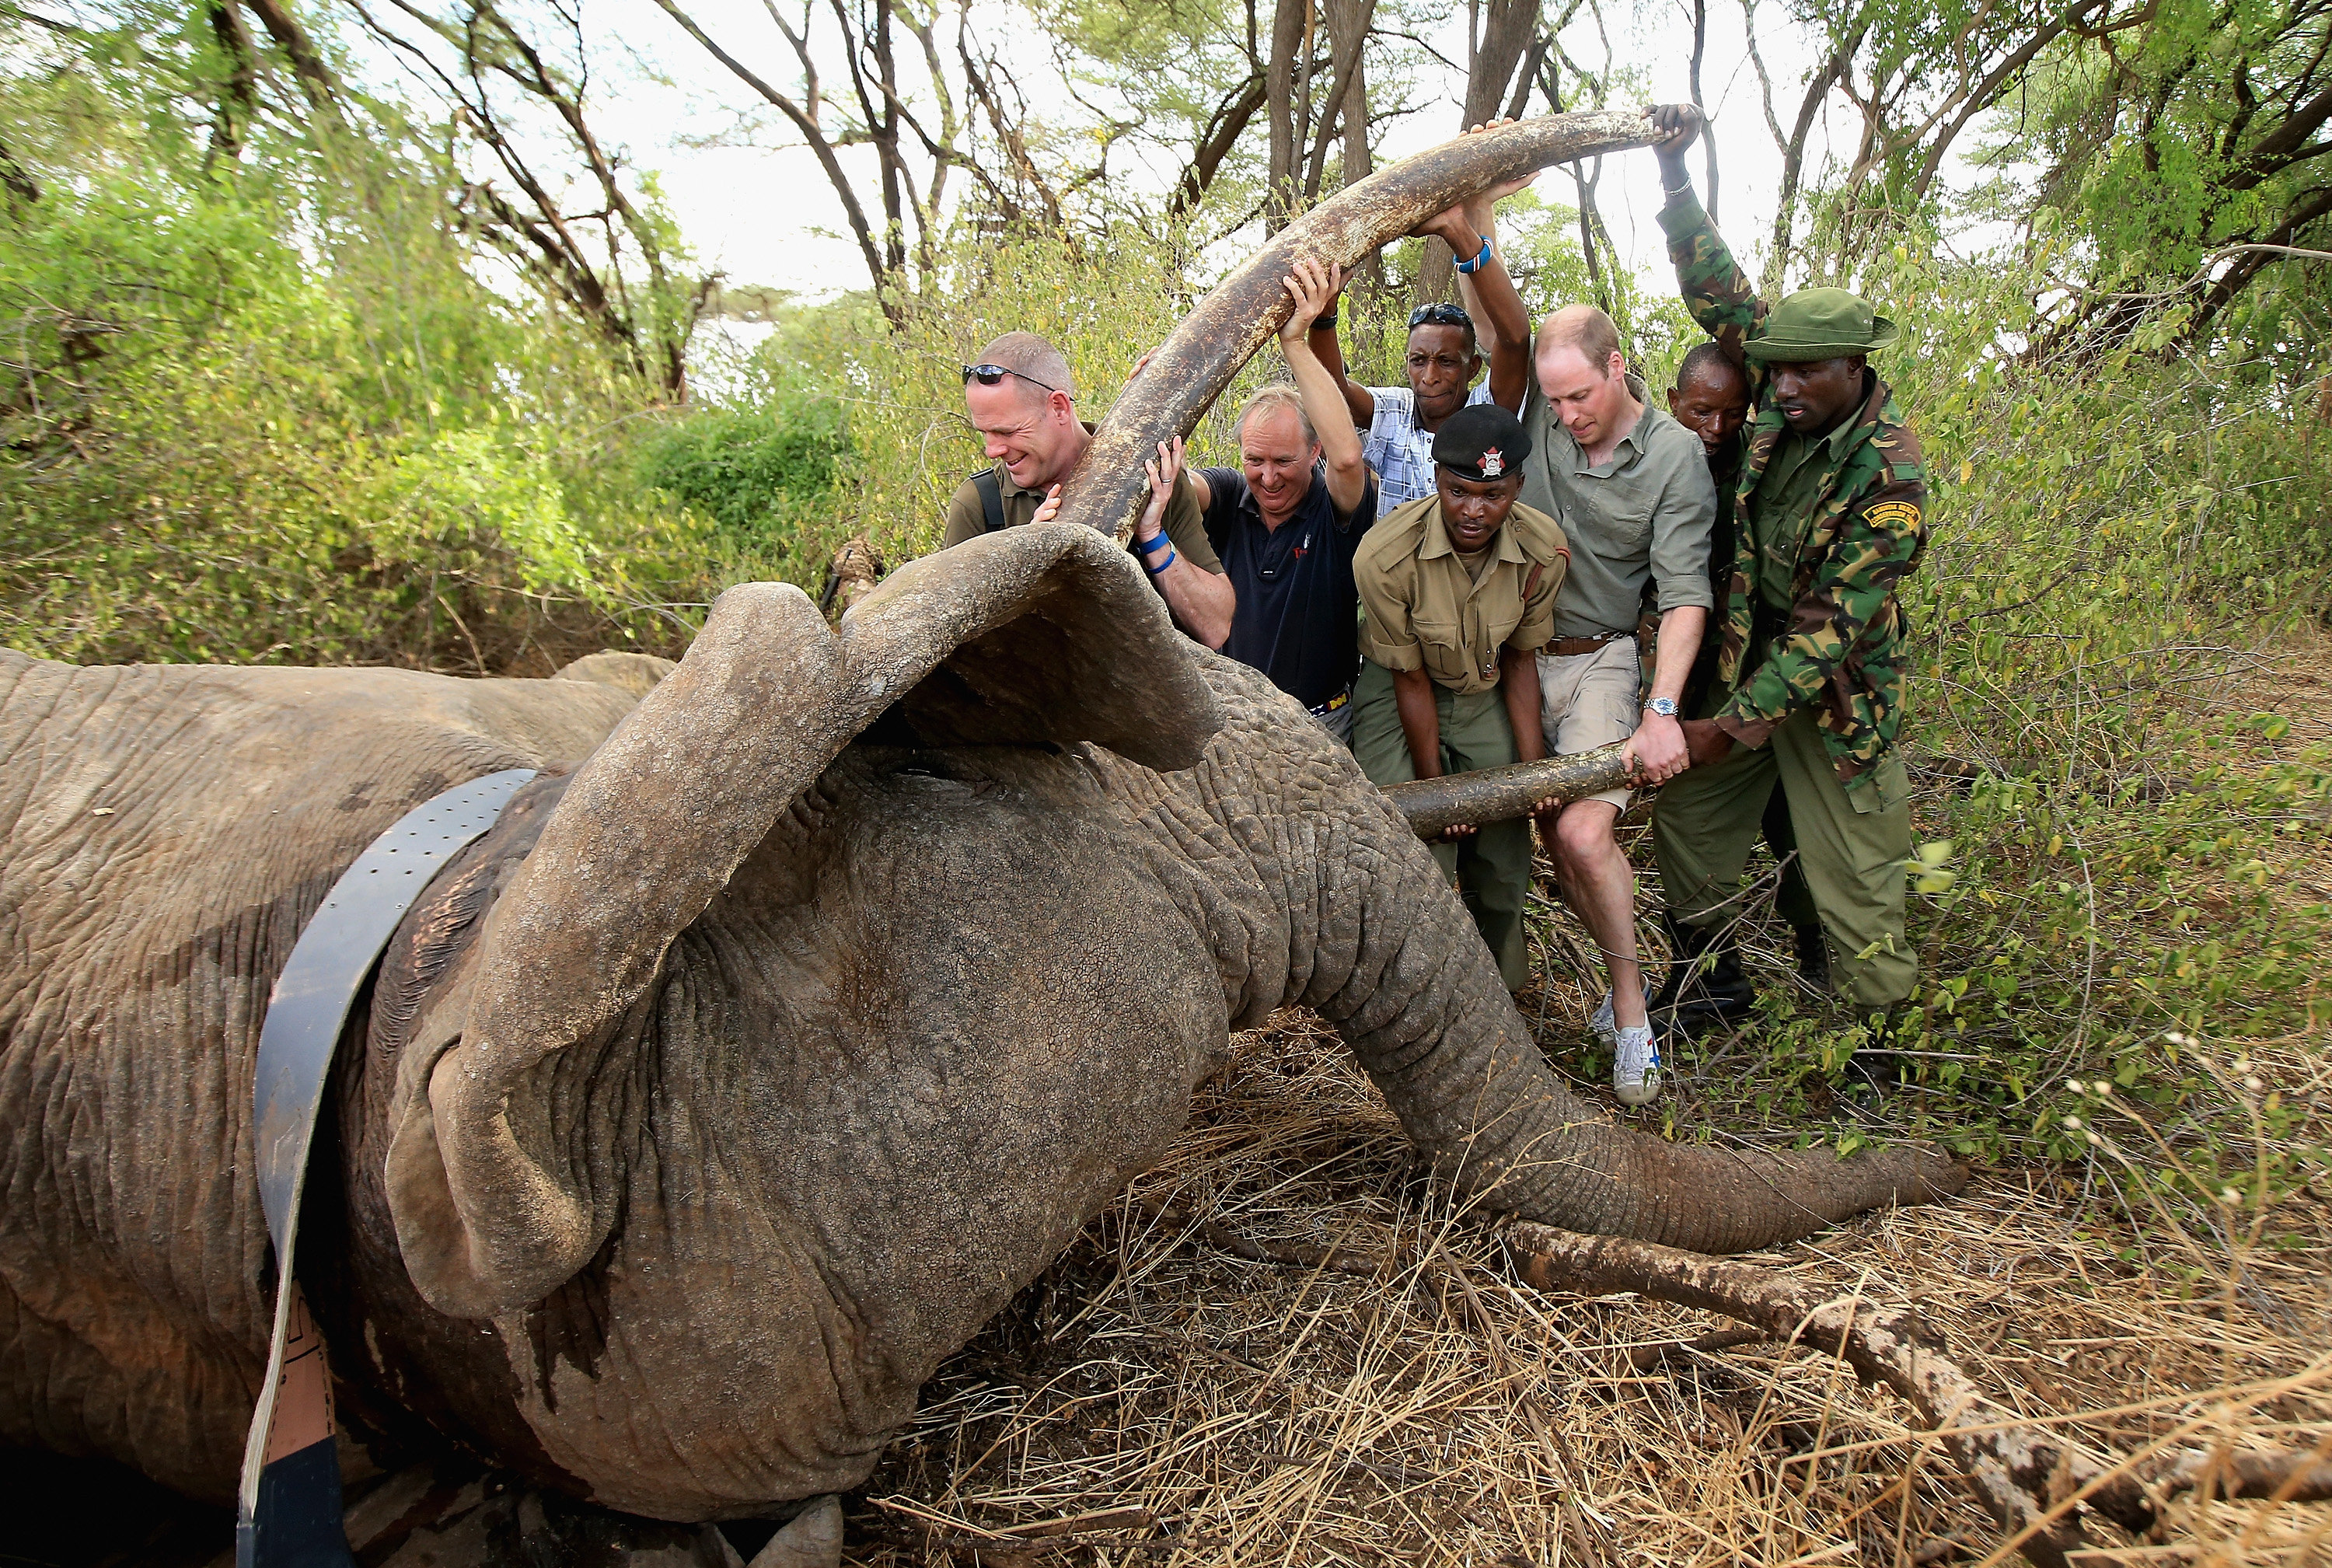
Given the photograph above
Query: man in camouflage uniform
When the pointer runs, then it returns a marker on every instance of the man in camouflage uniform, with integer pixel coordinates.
(1829, 505)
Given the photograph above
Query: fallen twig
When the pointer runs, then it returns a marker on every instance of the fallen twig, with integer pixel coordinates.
(1645, 1357)
(2010, 1467)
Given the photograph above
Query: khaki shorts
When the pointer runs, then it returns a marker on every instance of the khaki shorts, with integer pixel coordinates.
(1591, 699)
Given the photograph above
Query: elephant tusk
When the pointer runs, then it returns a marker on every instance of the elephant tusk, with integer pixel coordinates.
(1498, 793)
(1242, 313)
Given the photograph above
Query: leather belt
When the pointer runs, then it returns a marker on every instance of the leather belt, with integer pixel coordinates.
(1572, 647)
(288, 1508)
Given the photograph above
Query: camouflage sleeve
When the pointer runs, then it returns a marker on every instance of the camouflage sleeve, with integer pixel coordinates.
(1717, 293)
(1878, 542)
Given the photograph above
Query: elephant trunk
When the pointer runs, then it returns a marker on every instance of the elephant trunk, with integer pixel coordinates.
(1424, 1011)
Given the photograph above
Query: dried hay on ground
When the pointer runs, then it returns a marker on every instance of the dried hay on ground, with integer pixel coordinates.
(1434, 1411)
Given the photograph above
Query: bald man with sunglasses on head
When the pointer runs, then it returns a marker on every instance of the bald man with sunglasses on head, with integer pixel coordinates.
(1021, 401)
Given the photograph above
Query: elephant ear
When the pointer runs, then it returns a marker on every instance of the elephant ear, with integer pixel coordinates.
(503, 1173)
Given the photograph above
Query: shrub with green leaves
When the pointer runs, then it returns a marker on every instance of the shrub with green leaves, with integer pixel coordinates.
(262, 409)
(754, 471)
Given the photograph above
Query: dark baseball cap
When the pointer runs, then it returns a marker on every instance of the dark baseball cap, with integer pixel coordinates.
(1481, 440)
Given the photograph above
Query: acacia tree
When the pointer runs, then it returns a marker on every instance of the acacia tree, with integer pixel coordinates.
(1911, 78)
(577, 222)
(2195, 148)
(928, 95)
(2185, 138)
(1185, 79)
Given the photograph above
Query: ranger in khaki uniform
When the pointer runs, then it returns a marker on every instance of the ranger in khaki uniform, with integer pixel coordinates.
(1459, 589)
(1829, 499)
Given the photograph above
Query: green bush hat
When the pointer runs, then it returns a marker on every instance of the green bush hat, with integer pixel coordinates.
(1820, 324)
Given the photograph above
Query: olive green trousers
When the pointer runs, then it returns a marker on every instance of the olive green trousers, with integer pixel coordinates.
(1492, 866)
(1852, 846)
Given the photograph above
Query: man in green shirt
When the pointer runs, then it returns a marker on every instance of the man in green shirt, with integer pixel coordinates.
(1829, 507)
(1710, 398)
(1022, 403)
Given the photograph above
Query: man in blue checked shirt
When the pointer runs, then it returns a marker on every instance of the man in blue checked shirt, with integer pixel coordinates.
(1444, 357)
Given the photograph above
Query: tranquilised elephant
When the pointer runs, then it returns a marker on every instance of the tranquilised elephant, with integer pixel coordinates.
(803, 1009)
(739, 1073)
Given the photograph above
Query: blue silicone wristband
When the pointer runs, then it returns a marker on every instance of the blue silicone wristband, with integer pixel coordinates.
(1156, 539)
(1171, 558)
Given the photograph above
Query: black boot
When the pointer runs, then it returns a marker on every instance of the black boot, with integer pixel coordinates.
(1814, 959)
(1705, 988)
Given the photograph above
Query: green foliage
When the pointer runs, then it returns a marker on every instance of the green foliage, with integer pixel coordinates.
(754, 471)
(262, 409)
(2196, 127)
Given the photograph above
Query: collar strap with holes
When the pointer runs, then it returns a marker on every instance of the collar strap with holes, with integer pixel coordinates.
(288, 1505)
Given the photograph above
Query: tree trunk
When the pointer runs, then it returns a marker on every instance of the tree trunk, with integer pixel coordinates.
(1367, 290)
(1290, 21)
(1347, 101)
(1507, 27)
(315, 78)
(239, 94)
(1708, 137)
(1215, 144)
(1794, 153)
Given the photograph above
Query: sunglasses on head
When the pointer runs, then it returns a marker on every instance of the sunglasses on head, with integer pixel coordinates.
(1440, 313)
(989, 374)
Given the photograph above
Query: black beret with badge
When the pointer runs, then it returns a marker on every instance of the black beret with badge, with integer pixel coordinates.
(1481, 442)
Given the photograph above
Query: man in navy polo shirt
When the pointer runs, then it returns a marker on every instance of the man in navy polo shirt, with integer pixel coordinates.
(1286, 521)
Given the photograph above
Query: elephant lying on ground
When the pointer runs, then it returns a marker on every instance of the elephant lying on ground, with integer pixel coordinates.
(736, 1077)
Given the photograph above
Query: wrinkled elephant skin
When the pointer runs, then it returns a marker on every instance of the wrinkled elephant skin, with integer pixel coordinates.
(799, 1015)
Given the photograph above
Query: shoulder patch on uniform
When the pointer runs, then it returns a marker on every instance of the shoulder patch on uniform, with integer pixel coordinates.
(1899, 514)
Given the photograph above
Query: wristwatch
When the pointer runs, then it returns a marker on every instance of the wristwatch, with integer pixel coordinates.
(1664, 706)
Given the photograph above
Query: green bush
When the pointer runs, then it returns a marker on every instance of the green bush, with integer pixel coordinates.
(263, 410)
(753, 471)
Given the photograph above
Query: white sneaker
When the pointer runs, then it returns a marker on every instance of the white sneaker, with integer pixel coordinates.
(1636, 1065)
(1604, 1026)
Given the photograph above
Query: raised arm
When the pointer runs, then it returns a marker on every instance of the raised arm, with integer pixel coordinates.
(1717, 293)
(1501, 328)
(1313, 287)
(1358, 399)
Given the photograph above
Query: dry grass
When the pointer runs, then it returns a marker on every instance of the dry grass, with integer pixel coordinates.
(1437, 1411)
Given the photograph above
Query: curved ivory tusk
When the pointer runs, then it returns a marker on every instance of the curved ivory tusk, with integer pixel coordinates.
(1496, 794)
(1243, 311)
